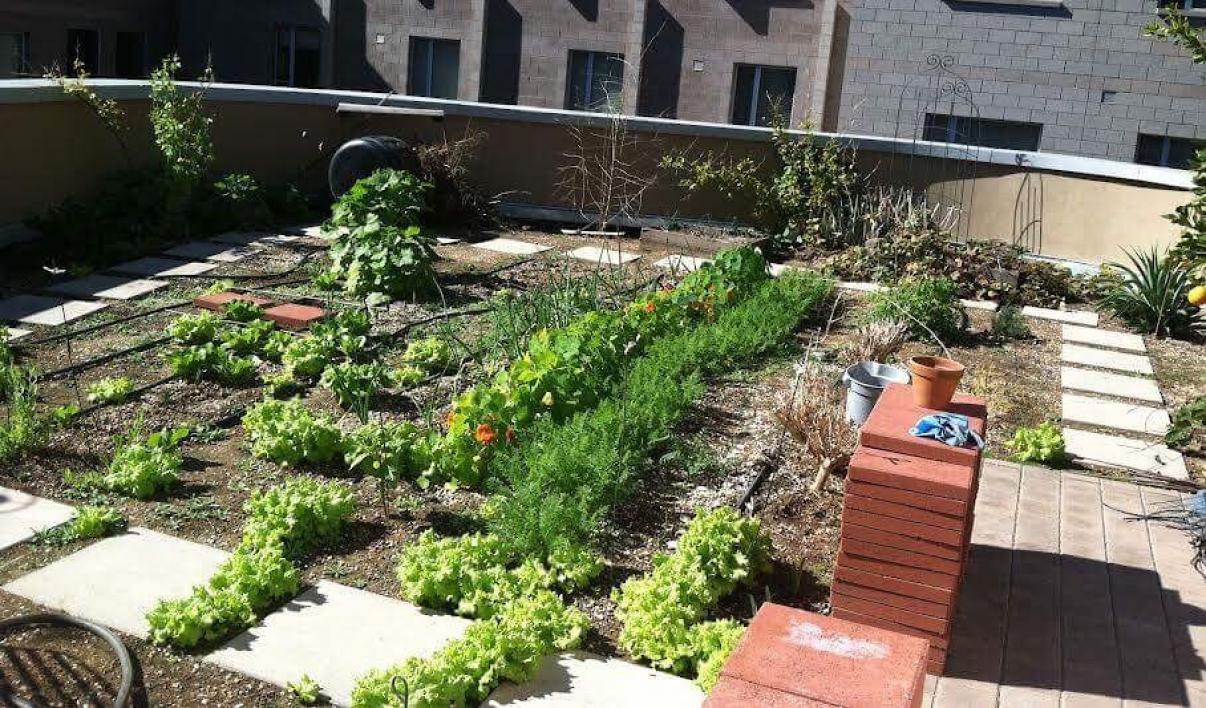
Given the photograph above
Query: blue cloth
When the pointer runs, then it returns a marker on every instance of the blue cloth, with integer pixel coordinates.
(950, 428)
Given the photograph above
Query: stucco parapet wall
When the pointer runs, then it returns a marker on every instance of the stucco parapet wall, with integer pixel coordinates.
(39, 90)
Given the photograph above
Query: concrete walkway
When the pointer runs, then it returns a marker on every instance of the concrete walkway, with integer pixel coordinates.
(1071, 599)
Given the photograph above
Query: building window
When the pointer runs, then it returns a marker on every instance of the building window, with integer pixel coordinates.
(298, 56)
(435, 67)
(14, 54)
(1164, 151)
(84, 45)
(131, 55)
(596, 82)
(1005, 134)
(762, 93)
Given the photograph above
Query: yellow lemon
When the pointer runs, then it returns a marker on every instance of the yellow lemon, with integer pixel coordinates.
(1197, 296)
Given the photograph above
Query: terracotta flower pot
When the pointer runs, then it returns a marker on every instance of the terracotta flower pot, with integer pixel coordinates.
(935, 379)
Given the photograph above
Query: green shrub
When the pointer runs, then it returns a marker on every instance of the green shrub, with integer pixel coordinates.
(927, 305)
(22, 428)
(111, 389)
(373, 259)
(1188, 426)
(180, 124)
(239, 203)
(143, 467)
(1010, 323)
(1044, 443)
(287, 433)
(1153, 296)
(507, 647)
(662, 612)
(393, 197)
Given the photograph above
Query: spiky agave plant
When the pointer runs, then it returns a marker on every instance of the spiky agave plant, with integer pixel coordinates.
(1152, 296)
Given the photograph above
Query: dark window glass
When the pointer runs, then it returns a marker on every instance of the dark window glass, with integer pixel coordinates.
(762, 92)
(1165, 151)
(14, 54)
(1004, 134)
(298, 56)
(84, 45)
(596, 82)
(131, 55)
(435, 67)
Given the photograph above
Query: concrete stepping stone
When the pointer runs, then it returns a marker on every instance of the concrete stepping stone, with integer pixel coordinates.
(1108, 384)
(1105, 359)
(15, 333)
(584, 680)
(594, 254)
(116, 581)
(777, 269)
(1127, 453)
(208, 251)
(310, 230)
(1078, 317)
(1112, 414)
(986, 305)
(680, 263)
(1104, 338)
(107, 287)
(512, 247)
(163, 267)
(254, 238)
(860, 286)
(21, 515)
(336, 634)
(48, 311)
(445, 241)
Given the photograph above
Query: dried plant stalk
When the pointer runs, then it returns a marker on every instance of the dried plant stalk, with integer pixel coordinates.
(814, 415)
(879, 341)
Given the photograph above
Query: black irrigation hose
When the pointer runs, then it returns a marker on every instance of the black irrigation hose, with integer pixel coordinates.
(131, 395)
(101, 325)
(122, 697)
(105, 358)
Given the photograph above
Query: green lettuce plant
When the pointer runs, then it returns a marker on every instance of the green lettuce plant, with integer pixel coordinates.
(286, 432)
(111, 389)
(1043, 443)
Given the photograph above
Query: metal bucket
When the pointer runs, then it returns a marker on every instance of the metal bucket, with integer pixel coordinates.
(865, 382)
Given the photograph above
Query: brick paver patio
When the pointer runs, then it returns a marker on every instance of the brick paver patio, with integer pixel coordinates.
(1072, 599)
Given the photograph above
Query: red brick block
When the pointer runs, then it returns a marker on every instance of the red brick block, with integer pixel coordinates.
(294, 316)
(829, 661)
(950, 537)
(887, 428)
(856, 547)
(936, 610)
(853, 526)
(903, 572)
(936, 625)
(934, 640)
(734, 693)
(895, 585)
(217, 301)
(907, 513)
(916, 474)
(928, 502)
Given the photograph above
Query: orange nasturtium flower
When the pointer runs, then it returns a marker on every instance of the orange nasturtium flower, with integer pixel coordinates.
(650, 307)
(484, 434)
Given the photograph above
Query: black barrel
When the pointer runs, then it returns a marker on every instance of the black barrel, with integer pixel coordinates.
(359, 158)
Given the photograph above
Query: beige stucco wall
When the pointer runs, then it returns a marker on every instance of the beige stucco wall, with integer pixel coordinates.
(51, 150)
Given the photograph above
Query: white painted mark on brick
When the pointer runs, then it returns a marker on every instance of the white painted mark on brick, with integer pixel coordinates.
(811, 636)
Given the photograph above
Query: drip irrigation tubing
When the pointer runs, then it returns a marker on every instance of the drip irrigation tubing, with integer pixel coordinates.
(121, 698)
(104, 358)
(101, 325)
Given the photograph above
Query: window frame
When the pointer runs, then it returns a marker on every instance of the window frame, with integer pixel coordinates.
(291, 73)
(1166, 143)
(951, 130)
(592, 56)
(22, 56)
(144, 60)
(752, 119)
(416, 45)
(95, 68)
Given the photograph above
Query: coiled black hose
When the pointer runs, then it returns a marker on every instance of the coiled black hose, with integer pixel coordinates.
(122, 696)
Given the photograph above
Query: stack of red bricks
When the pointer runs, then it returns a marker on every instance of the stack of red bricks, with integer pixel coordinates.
(289, 315)
(906, 523)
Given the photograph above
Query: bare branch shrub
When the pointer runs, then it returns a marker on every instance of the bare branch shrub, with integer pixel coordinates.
(880, 340)
(602, 176)
(454, 199)
(814, 415)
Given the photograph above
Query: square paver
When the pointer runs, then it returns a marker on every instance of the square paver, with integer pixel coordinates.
(1104, 338)
(253, 238)
(310, 230)
(589, 681)
(164, 267)
(1105, 359)
(681, 263)
(595, 254)
(986, 305)
(1108, 384)
(336, 634)
(1113, 414)
(208, 251)
(777, 269)
(511, 246)
(14, 333)
(108, 287)
(860, 286)
(445, 241)
(1128, 453)
(23, 514)
(48, 311)
(1077, 317)
(116, 581)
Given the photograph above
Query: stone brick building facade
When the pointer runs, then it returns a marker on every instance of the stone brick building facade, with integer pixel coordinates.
(1072, 76)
